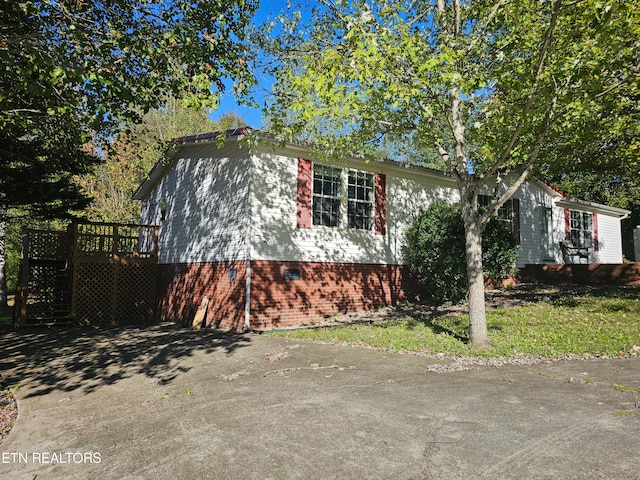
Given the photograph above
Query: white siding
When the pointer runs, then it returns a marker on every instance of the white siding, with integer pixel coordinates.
(609, 240)
(533, 200)
(275, 235)
(206, 193)
(609, 235)
(228, 204)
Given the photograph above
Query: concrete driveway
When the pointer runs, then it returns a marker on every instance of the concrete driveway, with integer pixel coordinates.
(168, 403)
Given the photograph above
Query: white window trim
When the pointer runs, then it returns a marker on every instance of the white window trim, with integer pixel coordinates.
(343, 197)
(547, 237)
(582, 241)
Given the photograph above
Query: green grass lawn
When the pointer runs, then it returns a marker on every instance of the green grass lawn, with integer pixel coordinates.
(598, 322)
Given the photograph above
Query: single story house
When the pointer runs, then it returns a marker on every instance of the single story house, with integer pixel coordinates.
(275, 238)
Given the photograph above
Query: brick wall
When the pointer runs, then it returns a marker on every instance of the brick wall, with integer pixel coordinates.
(285, 294)
(181, 288)
(585, 274)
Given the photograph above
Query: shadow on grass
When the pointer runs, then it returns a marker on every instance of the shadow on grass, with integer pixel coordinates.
(84, 359)
(438, 321)
(454, 326)
(607, 298)
(453, 320)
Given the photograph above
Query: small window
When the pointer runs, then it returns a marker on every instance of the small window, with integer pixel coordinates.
(581, 229)
(326, 196)
(504, 213)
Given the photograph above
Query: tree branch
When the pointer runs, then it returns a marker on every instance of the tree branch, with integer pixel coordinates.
(634, 71)
(544, 50)
(533, 156)
(485, 24)
(17, 111)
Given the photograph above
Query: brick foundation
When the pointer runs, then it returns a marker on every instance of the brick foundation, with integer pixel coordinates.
(181, 288)
(283, 294)
(585, 274)
(286, 294)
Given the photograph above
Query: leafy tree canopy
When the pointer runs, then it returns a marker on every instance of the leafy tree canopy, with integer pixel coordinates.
(73, 70)
(496, 88)
(379, 72)
(113, 60)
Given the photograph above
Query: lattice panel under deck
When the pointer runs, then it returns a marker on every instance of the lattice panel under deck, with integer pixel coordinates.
(47, 290)
(110, 294)
(93, 295)
(99, 273)
(136, 293)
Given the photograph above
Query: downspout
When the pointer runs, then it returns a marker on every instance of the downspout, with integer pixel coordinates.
(247, 297)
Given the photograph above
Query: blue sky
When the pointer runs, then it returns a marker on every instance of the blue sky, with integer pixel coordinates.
(269, 9)
(252, 116)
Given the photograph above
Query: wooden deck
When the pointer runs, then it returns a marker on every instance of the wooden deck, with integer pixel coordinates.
(92, 273)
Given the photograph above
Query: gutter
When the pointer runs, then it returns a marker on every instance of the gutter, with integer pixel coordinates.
(621, 213)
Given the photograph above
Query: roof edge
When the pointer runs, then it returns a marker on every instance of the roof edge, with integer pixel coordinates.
(204, 137)
(157, 170)
(596, 207)
(236, 133)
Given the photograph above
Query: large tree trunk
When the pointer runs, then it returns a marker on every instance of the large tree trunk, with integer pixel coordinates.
(473, 243)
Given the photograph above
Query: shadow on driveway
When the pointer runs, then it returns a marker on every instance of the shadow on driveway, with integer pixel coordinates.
(84, 359)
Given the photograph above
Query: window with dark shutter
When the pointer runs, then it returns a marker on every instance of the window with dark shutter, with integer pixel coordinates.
(334, 197)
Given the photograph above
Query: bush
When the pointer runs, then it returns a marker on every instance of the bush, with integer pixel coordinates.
(435, 252)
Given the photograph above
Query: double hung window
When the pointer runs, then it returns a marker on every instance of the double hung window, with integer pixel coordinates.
(504, 213)
(581, 233)
(342, 198)
(327, 184)
(360, 203)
